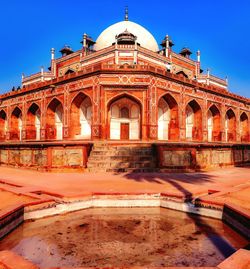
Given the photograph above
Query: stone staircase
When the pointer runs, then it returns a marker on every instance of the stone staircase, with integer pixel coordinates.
(106, 157)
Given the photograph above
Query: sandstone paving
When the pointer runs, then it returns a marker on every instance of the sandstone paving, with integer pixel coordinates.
(8, 199)
(232, 183)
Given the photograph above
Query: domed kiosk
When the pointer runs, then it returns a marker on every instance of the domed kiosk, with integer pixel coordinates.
(143, 36)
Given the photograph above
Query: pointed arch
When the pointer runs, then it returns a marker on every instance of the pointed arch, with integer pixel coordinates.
(54, 120)
(124, 117)
(214, 123)
(3, 125)
(193, 121)
(168, 119)
(33, 122)
(125, 95)
(230, 126)
(16, 124)
(69, 71)
(244, 127)
(81, 116)
(182, 74)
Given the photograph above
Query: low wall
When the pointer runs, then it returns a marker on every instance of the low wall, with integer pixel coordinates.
(171, 156)
(238, 218)
(45, 156)
(177, 156)
(10, 218)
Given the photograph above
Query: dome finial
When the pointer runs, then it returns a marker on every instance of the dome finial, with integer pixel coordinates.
(126, 13)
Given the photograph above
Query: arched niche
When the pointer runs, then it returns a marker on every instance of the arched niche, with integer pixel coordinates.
(214, 124)
(33, 122)
(168, 123)
(54, 120)
(16, 124)
(3, 125)
(230, 126)
(81, 117)
(193, 121)
(244, 127)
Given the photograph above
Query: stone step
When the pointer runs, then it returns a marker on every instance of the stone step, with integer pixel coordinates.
(120, 153)
(114, 148)
(121, 158)
(124, 158)
(104, 164)
(123, 170)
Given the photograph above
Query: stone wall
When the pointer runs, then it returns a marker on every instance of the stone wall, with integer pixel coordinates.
(10, 219)
(201, 156)
(45, 157)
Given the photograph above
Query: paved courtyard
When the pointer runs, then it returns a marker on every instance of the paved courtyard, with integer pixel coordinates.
(224, 185)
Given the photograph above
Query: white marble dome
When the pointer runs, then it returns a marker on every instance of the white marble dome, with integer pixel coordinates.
(144, 38)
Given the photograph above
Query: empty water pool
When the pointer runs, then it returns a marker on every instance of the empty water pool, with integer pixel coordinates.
(124, 237)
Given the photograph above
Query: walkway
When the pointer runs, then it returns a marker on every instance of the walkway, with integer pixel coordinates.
(226, 185)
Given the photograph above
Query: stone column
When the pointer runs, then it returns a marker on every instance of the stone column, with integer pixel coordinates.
(152, 111)
(182, 117)
(96, 111)
(204, 119)
(222, 125)
(238, 135)
(66, 112)
(43, 118)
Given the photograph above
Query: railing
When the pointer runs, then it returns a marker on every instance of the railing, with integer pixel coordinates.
(213, 78)
(37, 76)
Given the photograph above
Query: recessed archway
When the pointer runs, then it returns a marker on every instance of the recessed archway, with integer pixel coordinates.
(16, 124)
(81, 117)
(230, 126)
(3, 125)
(168, 126)
(214, 124)
(33, 124)
(193, 121)
(124, 117)
(54, 120)
(244, 127)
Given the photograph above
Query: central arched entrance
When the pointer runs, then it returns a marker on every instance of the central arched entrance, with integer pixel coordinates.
(125, 119)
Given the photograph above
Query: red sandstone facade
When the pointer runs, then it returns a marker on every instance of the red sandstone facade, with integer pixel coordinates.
(124, 91)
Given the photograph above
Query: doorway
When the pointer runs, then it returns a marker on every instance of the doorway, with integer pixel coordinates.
(124, 131)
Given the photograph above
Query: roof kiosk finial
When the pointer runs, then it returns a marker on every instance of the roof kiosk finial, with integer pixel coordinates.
(126, 13)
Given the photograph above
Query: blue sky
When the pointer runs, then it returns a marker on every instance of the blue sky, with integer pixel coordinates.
(219, 29)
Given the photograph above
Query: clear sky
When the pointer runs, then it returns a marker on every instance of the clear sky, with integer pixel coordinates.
(220, 29)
